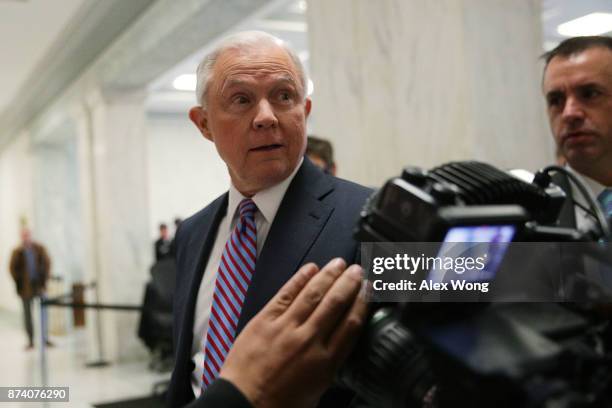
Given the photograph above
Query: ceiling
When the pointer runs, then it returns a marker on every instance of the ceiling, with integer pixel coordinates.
(46, 45)
(287, 20)
(34, 32)
(555, 12)
(28, 28)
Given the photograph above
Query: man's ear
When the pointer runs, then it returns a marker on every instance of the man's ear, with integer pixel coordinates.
(307, 106)
(199, 116)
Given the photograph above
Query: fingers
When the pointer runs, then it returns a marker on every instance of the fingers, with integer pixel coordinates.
(285, 296)
(312, 294)
(343, 339)
(337, 301)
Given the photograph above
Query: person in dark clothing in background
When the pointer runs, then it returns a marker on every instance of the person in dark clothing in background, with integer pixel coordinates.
(29, 267)
(321, 153)
(162, 245)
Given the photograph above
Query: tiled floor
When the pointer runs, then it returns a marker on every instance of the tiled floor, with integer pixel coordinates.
(66, 367)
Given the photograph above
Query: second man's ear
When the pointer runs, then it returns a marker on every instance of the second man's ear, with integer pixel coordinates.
(199, 117)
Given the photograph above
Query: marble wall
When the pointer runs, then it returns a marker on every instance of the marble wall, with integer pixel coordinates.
(185, 171)
(421, 82)
(16, 206)
(113, 160)
(57, 208)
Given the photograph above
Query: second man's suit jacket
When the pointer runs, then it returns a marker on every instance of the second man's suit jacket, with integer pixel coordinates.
(314, 223)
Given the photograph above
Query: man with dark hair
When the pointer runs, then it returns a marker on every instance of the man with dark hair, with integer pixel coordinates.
(577, 85)
(321, 153)
(29, 268)
(577, 45)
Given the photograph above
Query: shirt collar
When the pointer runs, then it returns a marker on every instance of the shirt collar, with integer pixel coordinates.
(594, 187)
(267, 201)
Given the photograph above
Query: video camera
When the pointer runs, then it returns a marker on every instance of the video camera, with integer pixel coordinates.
(492, 350)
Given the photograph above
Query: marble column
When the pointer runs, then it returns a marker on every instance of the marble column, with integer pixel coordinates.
(57, 210)
(112, 152)
(15, 208)
(420, 82)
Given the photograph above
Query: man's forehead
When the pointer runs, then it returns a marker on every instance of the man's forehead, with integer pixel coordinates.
(256, 77)
(251, 65)
(267, 59)
(585, 66)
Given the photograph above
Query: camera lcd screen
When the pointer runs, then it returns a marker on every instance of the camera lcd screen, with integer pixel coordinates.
(472, 253)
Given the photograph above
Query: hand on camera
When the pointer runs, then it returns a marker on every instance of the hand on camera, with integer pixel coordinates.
(289, 353)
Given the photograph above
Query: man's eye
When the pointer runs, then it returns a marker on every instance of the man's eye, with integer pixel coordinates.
(589, 93)
(284, 96)
(554, 101)
(240, 100)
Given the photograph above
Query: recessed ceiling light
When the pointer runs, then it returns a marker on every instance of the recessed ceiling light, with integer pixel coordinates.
(185, 82)
(591, 24)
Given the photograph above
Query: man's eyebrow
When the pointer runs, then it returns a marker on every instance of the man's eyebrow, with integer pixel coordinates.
(228, 83)
(287, 78)
(238, 81)
(589, 85)
(231, 82)
(554, 92)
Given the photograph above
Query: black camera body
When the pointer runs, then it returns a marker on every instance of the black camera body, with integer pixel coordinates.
(484, 354)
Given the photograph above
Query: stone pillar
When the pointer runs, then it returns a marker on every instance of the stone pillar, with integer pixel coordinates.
(57, 212)
(422, 82)
(112, 152)
(16, 207)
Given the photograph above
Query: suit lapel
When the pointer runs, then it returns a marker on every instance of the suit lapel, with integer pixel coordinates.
(200, 244)
(301, 217)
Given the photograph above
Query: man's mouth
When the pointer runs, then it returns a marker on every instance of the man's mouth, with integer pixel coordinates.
(267, 148)
(577, 136)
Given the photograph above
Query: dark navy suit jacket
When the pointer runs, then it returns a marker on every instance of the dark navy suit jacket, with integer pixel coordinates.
(314, 223)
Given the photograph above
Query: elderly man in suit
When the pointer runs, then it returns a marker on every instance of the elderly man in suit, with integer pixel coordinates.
(29, 266)
(280, 212)
(577, 85)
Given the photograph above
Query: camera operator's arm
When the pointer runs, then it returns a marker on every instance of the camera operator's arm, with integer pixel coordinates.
(288, 354)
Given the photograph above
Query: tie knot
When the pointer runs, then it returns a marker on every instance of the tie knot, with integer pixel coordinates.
(605, 199)
(247, 208)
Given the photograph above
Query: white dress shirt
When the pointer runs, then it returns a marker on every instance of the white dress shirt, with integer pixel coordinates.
(267, 202)
(584, 221)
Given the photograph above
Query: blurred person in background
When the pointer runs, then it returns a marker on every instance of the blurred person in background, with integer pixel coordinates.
(163, 244)
(30, 267)
(321, 154)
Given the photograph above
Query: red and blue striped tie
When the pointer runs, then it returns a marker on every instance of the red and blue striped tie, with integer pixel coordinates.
(234, 276)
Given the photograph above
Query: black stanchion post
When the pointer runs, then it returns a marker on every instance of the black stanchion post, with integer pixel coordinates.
(43, 342)
(101, 362)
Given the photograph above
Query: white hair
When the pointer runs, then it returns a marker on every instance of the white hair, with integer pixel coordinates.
(241, 41)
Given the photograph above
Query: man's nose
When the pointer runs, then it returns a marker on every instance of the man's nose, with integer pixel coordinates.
(573, 111)
(265, 116)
